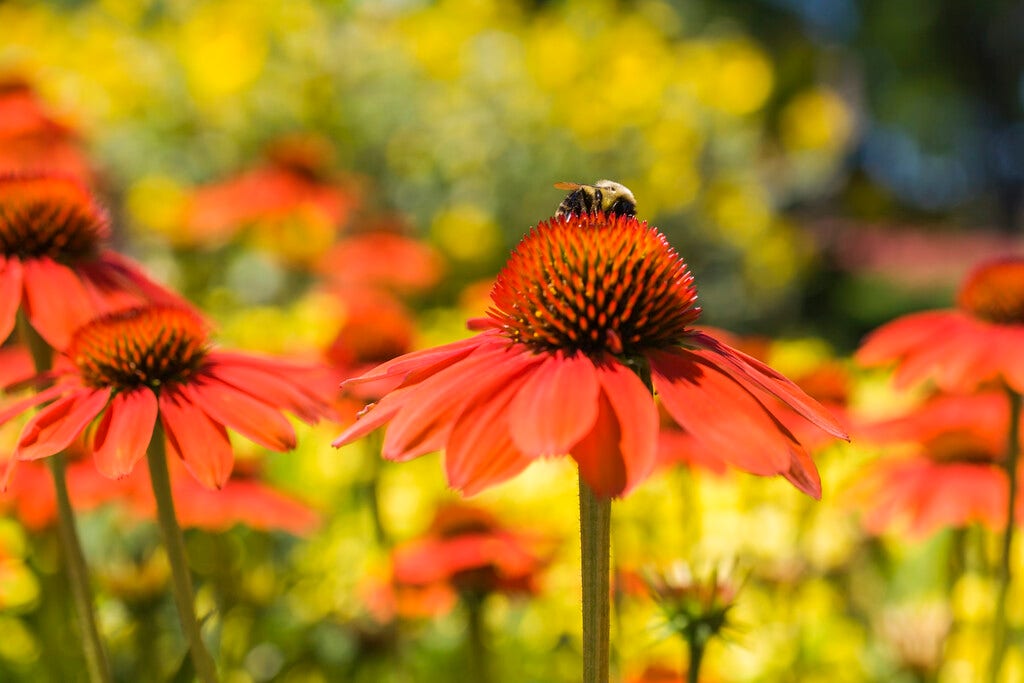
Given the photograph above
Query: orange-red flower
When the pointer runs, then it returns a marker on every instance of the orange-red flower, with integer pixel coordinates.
(31, 141)
(951, 477)
(965, 348)
(381, 260)
(32, 499)
(52, 264)
(243, 499)
(469, 550)
(288, 200)
(131, 366)
(583, 309)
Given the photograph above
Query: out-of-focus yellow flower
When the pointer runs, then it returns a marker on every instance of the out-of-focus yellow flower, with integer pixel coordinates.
(223, 49)
(733, 76)
(157, 202)
(18, 644)
(553, 50)
(816, 120)
(740, 210)
(466, 232)
(973, 598)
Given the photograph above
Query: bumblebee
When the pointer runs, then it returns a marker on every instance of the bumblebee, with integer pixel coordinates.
(604, 195)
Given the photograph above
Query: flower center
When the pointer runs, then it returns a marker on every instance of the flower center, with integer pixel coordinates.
(49, 216)
(148, 346)
(995, 292)
(595, 283)
(961, 446)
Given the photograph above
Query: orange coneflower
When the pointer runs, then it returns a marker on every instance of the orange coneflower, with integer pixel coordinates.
(131, 366)
(963, 348)
(52, 263)
(243, 499)
(952, 475)
(469, 550)
(31, 140)
(583, 309)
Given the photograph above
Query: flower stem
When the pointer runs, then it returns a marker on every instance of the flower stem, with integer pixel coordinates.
(1012, 456)
(96, 662)
(184, 598)
(696, 655)
(595, 546)
(78, 575)
(477, 638)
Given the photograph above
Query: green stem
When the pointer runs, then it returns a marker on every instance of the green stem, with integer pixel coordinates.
(595, 546)
(96, 661)
(174, 542)
(1004, 576)
(477, 638)
(78, 575)
(696, 656)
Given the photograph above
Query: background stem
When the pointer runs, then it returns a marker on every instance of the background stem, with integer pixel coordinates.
(1012, 456)
(78, 575)
(595, 546)
(96, 662)
(184, 598)
(696, 647)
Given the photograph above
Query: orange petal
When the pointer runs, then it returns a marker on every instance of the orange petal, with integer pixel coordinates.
(194, 437)
(638, 420)
(53, 428)
(248, 416)
(124, 431)
(57, 303)
(727, 417)
(269, 387)
(892, 340)
(480, 450)
(425, 421)
(556, 407)
(599, 455)
(10, 294)
(748, 371)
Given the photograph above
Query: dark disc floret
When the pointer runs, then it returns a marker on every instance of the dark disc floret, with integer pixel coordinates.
(994, 292)
(150, 346)
(595, 283)
(53, 217)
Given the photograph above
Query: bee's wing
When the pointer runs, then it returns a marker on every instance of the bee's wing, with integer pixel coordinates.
(568, 186)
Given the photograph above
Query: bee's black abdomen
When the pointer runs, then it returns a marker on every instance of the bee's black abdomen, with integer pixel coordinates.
(622, 207)
(576, 202)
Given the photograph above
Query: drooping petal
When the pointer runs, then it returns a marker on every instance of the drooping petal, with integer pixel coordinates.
(1005, 357)
(943, 357)
(19, 407)
(196, 439)
(248, 416)
(10, 294)
(481, 452)
(892, 340)
(727, 417)
(273, 388)
(425, 421)
(748, 371)
(247, 502)
(373, 416)
(412, 367)
(118, 280)
(637, 417)
(54, 427)
(556, 407)
(56, 302)
(124, 431)
(599, 453)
